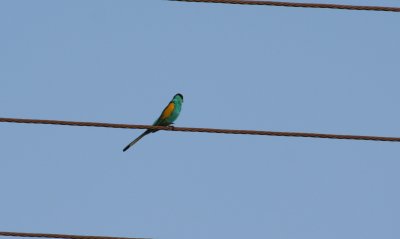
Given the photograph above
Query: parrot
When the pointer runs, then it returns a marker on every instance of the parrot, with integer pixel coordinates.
(167, 117)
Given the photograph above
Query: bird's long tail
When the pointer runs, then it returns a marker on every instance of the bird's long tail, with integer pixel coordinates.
(137, 139)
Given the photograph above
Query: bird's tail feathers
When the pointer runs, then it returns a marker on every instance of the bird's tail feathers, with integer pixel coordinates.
(136, 140)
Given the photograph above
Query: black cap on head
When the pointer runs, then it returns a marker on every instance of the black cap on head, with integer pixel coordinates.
(180, 95)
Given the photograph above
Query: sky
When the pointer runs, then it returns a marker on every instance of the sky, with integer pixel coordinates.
(238, 67)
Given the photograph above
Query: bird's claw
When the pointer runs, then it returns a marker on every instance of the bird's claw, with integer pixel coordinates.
(171, 127)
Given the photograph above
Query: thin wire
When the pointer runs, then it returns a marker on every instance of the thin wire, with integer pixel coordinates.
(202, 130)
(294, 4)
(22, 234)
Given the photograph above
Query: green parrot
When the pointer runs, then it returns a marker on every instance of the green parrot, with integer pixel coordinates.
(167, 117)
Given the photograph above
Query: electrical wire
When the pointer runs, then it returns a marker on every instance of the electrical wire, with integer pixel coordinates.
(201, 130)
(43, 235)
(295, 4)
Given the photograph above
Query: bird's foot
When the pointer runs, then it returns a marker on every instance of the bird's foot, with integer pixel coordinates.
(171, 127)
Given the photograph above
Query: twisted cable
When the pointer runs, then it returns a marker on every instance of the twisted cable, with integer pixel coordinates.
(201, 130)
(43, 235)
(294, 4)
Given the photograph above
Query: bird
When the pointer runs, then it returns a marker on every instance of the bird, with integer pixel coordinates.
(167, 117)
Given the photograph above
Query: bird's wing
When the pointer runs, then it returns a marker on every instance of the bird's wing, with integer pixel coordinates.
(166, 113)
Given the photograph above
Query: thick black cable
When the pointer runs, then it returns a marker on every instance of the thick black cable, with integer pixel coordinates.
(295, 4)
(63, 236)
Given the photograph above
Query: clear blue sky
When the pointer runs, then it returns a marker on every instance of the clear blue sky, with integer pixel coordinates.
(239, 67)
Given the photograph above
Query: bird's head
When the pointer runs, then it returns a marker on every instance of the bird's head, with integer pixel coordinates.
(178, 97)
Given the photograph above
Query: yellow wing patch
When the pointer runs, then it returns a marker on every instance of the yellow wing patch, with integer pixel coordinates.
(167, 111)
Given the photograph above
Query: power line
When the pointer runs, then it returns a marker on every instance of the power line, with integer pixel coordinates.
(42, 235)
(201, 130)
(294, 4)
